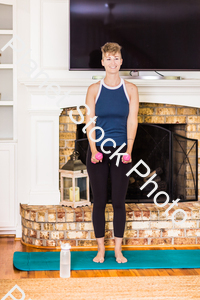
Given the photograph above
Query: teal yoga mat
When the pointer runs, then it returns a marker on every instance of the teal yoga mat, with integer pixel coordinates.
(83, 260)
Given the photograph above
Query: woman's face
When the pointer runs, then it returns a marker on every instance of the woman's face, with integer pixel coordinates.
(112, 62)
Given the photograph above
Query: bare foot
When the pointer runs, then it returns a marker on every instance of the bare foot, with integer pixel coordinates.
(100, 256)
(120, 258)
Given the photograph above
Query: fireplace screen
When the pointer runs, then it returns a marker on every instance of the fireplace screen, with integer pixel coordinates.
(184, 168)
(171, 156)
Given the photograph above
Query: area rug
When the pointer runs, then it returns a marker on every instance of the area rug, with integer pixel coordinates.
(104, 288)
(83, 260)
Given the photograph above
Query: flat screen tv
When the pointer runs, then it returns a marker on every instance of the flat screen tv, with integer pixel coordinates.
(154, 34)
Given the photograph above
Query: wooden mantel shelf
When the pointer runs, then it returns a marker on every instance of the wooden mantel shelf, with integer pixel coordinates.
(176, 92)
(84, 82)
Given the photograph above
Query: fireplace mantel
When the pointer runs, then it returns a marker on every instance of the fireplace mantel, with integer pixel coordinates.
(41, 112)
(176, 92)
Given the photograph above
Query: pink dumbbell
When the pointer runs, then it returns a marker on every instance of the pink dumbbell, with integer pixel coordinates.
(98, 156)
(126, 157)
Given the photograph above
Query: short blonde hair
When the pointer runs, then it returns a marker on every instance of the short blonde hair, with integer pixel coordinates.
(111, 48)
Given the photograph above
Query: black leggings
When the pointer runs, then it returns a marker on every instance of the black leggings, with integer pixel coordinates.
(98, 175)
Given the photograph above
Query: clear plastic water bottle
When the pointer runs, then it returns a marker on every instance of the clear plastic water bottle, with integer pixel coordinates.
(65, 260)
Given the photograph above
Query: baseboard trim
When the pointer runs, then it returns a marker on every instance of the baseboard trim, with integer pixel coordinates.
(7, 235)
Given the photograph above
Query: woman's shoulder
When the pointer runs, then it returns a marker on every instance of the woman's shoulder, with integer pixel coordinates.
(132, 89)
(94, 87)
(130, 85)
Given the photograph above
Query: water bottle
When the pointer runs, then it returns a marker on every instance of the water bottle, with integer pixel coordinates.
(65, 260)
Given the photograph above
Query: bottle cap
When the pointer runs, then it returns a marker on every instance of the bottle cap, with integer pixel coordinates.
(65, 246)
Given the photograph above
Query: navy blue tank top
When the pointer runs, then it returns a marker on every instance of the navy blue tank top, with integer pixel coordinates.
(112, 109)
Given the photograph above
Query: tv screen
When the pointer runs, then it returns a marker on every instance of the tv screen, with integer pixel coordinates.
(154, 34)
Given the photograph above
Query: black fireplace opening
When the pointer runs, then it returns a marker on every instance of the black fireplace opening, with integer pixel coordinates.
(167, 152)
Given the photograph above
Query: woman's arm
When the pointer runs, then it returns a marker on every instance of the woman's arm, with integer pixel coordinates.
(90, 101)
(132, 120)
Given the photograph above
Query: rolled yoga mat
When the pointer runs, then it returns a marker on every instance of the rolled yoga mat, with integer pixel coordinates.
(83, 260)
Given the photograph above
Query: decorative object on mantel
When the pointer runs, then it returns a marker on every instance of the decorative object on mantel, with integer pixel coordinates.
(74, 182)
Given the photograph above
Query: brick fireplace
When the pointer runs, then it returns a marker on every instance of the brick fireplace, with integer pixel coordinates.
(146, 223)
(150, 113)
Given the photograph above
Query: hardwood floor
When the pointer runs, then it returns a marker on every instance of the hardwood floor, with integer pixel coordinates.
(7, 271)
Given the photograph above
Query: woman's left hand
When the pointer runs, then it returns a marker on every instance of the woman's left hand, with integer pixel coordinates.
(127, 161)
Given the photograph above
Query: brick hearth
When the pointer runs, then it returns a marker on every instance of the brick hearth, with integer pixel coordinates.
(146, 224)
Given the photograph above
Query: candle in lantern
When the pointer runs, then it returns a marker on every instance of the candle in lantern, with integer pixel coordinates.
(77, 193)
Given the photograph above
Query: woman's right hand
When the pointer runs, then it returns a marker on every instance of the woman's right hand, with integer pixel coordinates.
(93, 159)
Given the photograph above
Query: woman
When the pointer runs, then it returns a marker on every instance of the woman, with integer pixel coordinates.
(115, 102)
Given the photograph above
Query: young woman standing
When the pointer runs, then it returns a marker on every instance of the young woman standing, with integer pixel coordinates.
(115, 102)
